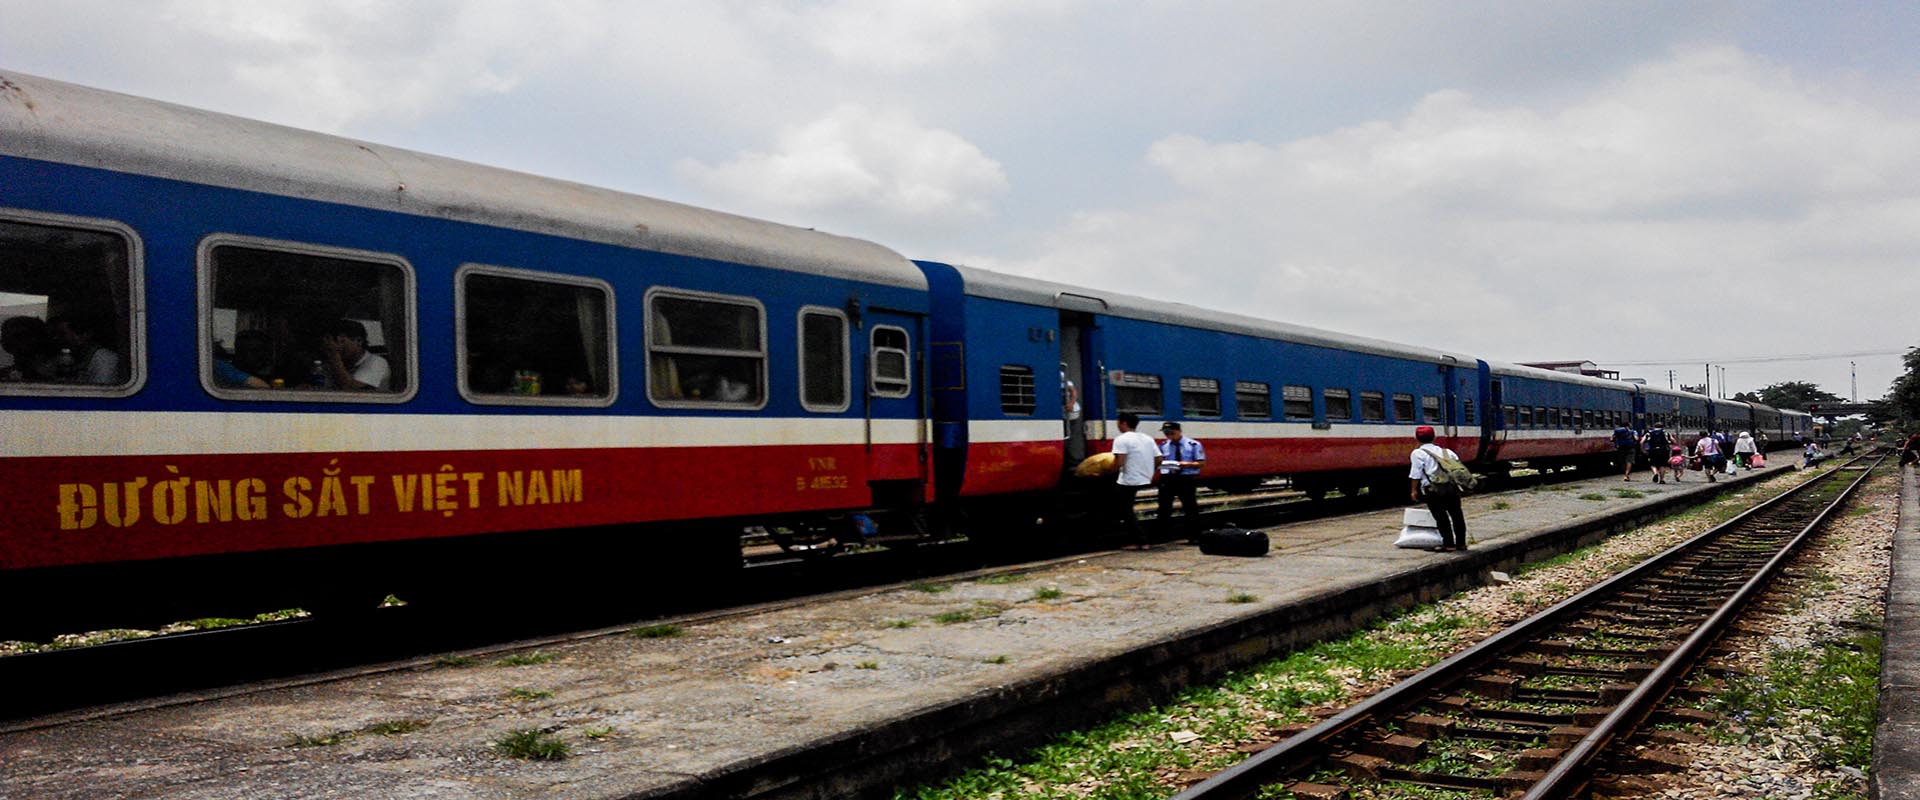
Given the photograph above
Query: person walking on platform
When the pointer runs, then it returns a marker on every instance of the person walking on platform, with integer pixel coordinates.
(1136, 457)
(1659, 449)
(1182, 457)
(1447, 516)
(1743, 450)
(1708, 451)
(1626, 447)
(1910, 452)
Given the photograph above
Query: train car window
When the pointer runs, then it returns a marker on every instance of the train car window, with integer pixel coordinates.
(1199, 397)
(1138, 393)
(294, 321)
(1540, 418)
(69, 306)
(1466, 413)
(1526, 417)
(1403, 408)
(1373, 407)
(1339, 404)
(533, 338)
(1512, 416)
(1429, 408)
(891, 362)
(1016, 390)
(1566, 418)
(824, 359)
(705, 350)
(1297, 402)
(1253, 400)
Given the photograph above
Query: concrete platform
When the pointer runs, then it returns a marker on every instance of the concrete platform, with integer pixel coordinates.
(1896, 741)
(825, 698)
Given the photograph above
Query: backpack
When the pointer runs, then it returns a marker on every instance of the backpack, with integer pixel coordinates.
(1452, 479)
(1656, 439)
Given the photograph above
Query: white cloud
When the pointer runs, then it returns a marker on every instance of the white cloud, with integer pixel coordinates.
(858, 162)
(892, 36)
(1692, 205)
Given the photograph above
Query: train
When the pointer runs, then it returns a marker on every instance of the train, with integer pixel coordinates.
(252, 367)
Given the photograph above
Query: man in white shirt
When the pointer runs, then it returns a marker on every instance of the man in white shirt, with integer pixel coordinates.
(348, 363)
(1447, 516)
(1137, 457)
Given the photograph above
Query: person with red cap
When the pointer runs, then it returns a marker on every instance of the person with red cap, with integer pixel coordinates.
(1447, 515)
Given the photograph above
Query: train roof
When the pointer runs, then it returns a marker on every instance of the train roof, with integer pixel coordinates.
(1033, 291)
(1524, 371)
(61, 122)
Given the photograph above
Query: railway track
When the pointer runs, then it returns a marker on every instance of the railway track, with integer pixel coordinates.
(1541, 708)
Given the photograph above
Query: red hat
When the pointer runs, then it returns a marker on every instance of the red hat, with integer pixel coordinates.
(1424, 430)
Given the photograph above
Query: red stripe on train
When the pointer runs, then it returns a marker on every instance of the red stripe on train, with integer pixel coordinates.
(89, 510)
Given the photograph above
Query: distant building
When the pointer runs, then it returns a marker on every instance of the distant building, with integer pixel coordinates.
(1586, 368)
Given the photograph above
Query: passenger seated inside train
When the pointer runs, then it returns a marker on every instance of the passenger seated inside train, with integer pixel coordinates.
(250, 365)
(27, 343)
(81, 357)
(347, 363)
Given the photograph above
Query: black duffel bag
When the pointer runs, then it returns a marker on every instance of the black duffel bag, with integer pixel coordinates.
(1232, 541)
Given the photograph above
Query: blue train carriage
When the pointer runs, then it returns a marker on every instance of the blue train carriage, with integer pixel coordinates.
(515, 355)
(1553, 420)
(1266, 398)
(1683, 414)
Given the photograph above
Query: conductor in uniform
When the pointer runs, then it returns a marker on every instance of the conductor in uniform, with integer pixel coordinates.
(1182, 458)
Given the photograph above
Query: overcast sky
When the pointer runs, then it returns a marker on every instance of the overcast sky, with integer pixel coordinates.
(1624, 182)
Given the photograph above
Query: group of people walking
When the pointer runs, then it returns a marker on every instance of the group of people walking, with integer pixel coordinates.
(1711, 452)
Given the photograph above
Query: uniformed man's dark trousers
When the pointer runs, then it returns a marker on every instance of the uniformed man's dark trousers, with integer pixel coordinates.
(1183, 487)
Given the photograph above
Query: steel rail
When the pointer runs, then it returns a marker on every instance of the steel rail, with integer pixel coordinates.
(1573, 771)
(1313, 744)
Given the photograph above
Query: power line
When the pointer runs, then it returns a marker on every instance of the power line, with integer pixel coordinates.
(1752, 359)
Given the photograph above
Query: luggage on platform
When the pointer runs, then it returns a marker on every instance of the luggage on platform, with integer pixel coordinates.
(1232, 541)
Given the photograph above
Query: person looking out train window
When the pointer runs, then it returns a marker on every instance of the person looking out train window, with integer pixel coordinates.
(80, 356)
(346, 362)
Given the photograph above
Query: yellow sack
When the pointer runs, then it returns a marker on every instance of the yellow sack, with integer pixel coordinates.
(1096, 466)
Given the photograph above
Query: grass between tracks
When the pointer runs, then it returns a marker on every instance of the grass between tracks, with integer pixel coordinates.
(1151, 753)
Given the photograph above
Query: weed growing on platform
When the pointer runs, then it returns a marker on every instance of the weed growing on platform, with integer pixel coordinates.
(901, 624)
(928, 587)
(598, 732)
(960, 615)
(392, 727)
(994, 660)
(1242, 597)
(1629, 494)
(660, 631)
(1593, 496)
(1011, 577)
(519, 693)
(524, 659)
(1048, 593)
(532, 744)
(867, 665)
(1501, 505)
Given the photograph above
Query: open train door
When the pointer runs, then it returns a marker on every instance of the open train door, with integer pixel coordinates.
(1449, 399)
(1081, 374)
(1493, 419)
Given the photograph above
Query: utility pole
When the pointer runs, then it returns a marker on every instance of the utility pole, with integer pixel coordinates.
(1670, 374)
(1723, 383)
(1854, 370)
(1709, 386)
